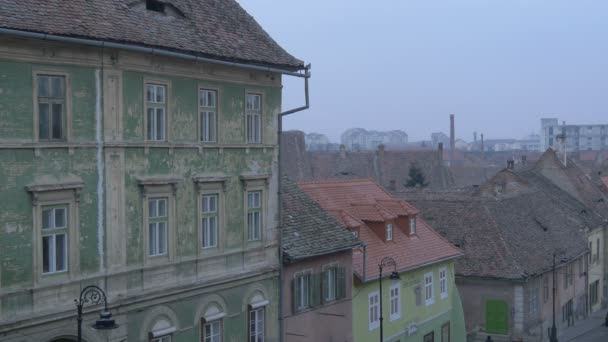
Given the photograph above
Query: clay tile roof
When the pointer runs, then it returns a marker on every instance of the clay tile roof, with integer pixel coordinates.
(308, 230)
(210, 28)
(338, 196)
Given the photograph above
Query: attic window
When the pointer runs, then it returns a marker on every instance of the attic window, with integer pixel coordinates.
(156, 6)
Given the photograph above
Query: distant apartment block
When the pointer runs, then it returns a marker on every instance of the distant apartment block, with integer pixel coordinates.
(362, 139)
(578, 137)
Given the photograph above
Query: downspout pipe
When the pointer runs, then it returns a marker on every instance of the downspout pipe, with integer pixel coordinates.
(153, 51)
(280, 204)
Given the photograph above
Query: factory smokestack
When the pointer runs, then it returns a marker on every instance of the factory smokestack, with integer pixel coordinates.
(481, 142)
(452, 138)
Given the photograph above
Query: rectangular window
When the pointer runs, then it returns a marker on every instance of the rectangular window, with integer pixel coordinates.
(389, 232)
(395, 302)
(594, 292)
(156, 107)
(418, 294)
(355, 233)
(254, 215)
(429, 297)
(445, 332)
(212, 331)
(302, 291)
(54, 239)
(331, 277)
(412, 226)
(51, 107)
(430, 337)
(254, 118)
(209, 219)
(443, 283)
(157, 226)
(166, 338)
(256, 325)
(374, 310)
(208, 115)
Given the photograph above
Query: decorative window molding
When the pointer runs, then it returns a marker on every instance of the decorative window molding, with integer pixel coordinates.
(55, 213)
(212, 324)
(155, 190)
(52, 94)
(159, 322)
(256, 207)
(157, 118)
(211, 218)
(256, 315)
(302, 285)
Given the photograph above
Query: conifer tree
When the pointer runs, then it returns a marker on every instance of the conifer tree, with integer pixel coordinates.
(416, 177)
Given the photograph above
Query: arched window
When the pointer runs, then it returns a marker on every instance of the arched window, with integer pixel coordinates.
(212, 325)
(162, 331)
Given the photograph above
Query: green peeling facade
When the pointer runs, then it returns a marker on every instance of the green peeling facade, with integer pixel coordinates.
(417, 320)
(104, 173)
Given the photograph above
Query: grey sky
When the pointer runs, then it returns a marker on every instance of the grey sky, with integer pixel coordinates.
(498, 65)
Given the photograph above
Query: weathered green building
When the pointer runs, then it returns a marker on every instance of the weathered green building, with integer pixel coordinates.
(138, 153)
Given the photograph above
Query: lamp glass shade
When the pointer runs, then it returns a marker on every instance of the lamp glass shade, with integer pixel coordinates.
(105, 322)
(395, 276)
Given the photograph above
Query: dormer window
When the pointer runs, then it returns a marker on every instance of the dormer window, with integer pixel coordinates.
(156, 6)
(412, 230)
(389, 232)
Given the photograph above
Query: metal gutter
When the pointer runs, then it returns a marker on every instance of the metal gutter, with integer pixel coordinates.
(358, 244)
(420, 266)
(153, 51)
(280, 204)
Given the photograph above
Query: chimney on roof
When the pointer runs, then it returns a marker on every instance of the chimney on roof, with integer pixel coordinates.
(510, 164)
(452, 138)
(381, 150)
(342, 151)
(481, 142)
(440, 153)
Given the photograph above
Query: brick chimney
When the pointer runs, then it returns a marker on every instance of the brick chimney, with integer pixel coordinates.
(481, 142)
(440, 153)
(452, 138)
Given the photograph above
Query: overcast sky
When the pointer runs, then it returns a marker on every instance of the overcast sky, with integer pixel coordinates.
(498, 65)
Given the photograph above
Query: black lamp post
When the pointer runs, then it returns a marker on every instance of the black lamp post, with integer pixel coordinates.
(386, 261)
(92, 295)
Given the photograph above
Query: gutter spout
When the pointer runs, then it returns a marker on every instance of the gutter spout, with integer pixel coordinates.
(280, 204)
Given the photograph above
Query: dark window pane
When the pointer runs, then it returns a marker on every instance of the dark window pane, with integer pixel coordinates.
(60, 252)
(43, 121)
(46, 250)
(57, 121)
(211, 126)
(46, 219)
(59, 218)
(43, 86)
(150, 127)
(57, 89)
(160, 124)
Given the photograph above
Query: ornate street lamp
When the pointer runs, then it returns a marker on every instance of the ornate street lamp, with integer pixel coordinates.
(386, 261)
(93, 295)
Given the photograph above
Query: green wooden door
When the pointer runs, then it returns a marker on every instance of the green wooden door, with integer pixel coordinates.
(497, 317)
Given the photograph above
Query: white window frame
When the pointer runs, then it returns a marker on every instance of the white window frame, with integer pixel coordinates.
(254, 222)
(253, 117)
(257, 317)
(373, 310)
(210, 220)
(52, 232)
(429, 291)
(156, 105)
(157, 221)
(165, 338)
(208, 134)
(67, 104)
(395, 301)
(303, 282)
(332, 283)
(412, 226)
(389, 232)
(443, 283)
(216, 331)
(50, 101)
(159, 187)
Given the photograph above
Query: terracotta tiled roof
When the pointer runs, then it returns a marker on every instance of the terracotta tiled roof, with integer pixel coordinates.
(209, 28)
(308, 230)
(338, 196)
